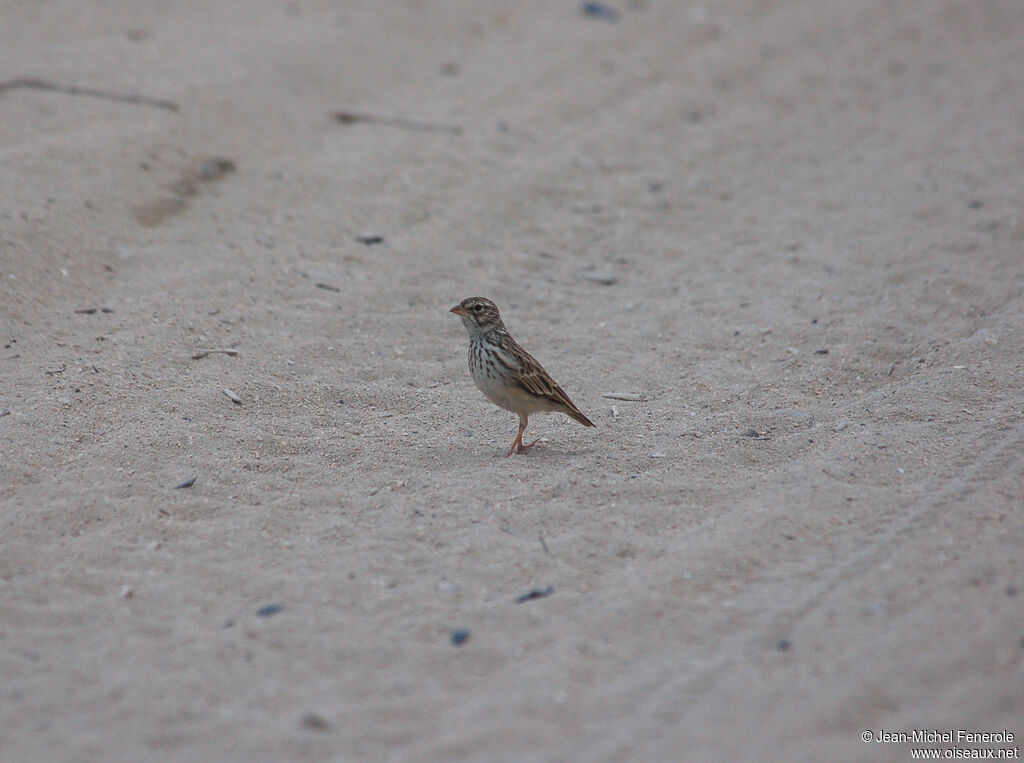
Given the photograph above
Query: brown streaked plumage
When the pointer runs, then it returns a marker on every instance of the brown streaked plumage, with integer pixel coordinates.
(508, 375)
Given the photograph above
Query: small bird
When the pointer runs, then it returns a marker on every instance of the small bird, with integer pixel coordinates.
(506, 373)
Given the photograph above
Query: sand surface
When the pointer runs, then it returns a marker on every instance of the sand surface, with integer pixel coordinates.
(810, 526)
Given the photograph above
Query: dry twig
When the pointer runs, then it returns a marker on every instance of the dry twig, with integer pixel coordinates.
(632, 397)
(34, 83)
(350, 117)
(203, 353)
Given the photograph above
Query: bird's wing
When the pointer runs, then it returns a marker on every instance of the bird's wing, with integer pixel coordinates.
(509, 354)
(535, 380)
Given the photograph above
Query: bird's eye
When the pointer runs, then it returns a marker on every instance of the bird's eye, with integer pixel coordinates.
(477, 308)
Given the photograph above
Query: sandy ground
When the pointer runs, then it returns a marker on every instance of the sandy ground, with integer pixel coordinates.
(811, 526)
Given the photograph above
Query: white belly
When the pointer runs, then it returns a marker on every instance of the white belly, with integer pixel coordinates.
(508, 396)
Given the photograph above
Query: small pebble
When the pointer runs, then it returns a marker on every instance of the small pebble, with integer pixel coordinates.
(536, 593)
(602, 277)
(269, 610)
(783, 645)
(601, 11)
(821, 352)
(460, 636)
(187, 483)
(215, 167)
(370, 238)
(314, 722)
(231, 394)
(840, 426)
(126, 592)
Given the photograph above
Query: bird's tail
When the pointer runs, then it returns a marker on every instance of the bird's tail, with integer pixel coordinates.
(577, 414)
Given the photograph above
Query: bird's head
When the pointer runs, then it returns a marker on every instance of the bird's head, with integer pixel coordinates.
(479, 315)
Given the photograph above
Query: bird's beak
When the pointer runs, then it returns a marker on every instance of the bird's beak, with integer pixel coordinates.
(458, 310)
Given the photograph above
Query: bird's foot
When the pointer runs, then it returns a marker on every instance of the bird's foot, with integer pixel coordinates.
(524, 448)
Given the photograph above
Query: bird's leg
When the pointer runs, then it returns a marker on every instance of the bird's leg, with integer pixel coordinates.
(518, 442)
(517, 446)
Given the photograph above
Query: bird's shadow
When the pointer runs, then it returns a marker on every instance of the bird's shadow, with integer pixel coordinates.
(544, 451)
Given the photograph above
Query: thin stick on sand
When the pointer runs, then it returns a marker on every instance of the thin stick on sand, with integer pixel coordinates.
(203, 353)
(33, 83)
(350, 117)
